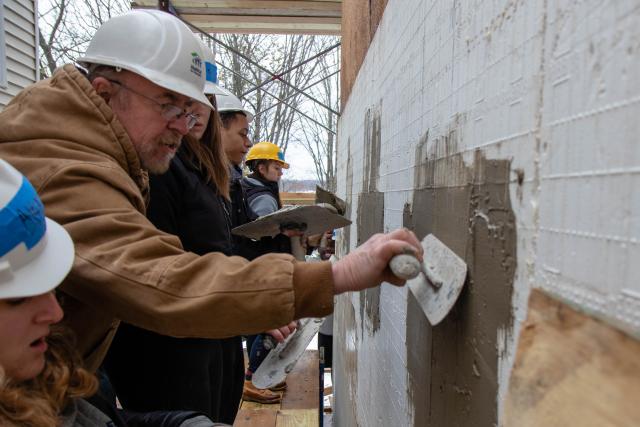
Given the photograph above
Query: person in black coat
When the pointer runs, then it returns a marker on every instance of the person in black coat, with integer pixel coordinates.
(154, 372)
(235, 138)
(266, 161)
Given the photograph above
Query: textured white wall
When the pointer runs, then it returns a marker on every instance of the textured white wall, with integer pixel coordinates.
(552, 85)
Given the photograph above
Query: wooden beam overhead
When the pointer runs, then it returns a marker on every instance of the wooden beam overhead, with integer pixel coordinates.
(258, 16)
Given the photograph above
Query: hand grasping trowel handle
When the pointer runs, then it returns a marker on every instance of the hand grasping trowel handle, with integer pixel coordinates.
(407, 267)
(444, 274)
(294, 230)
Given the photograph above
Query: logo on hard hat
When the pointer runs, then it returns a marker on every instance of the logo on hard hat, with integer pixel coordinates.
(196, 64)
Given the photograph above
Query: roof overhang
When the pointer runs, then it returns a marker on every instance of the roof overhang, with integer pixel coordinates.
(257, 16)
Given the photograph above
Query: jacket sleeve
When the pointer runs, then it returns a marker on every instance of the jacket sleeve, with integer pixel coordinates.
(263, 204)
(127, 267)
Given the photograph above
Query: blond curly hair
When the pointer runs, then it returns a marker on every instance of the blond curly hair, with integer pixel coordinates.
(40, 401)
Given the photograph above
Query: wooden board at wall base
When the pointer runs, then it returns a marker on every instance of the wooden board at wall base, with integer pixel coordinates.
(255, 417)
(279, 418)
(300, 403)
(572, 370)
(303, 384)
(297, 418)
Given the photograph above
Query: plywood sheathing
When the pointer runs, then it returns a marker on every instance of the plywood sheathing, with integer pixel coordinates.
(452, 368)
(572, 370)
(360, 19)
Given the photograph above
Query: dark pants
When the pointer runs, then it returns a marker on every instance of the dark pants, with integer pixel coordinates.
(257, 352)
(152, 372)
(326, 342)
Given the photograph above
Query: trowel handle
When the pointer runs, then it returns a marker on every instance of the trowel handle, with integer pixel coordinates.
(296, 248)
(268, 342)
(405, 266)
(408, 267)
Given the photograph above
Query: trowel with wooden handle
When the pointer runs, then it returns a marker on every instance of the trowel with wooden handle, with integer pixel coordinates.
(311, 219)
(437, 281)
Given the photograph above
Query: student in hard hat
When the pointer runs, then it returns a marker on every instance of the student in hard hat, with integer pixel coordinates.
(87, 142)
(235, 119)
(42, 382)
(265, 160)
(150, 371)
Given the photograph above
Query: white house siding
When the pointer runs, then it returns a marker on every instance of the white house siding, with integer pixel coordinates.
(20, 37)
(450, 93)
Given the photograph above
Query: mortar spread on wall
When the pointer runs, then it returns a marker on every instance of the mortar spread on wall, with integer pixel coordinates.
(370, 219)
(453, 367)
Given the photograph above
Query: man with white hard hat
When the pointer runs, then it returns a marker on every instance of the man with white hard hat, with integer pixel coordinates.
(86, 143)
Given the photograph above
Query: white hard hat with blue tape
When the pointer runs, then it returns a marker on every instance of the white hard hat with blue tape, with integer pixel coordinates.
(211, 72)
(36, 253)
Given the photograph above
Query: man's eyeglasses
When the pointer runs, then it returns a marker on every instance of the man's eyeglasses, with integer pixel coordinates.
(168, 112)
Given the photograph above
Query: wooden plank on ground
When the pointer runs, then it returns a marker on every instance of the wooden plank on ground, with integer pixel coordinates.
(572, 370)
(255, 417)
(303, 384)
(297, 418)
(253, 405)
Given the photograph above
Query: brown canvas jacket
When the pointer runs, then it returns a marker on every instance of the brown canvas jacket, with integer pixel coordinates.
(73, 149)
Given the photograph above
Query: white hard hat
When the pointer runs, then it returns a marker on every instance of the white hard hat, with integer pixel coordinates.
(228, 102)
(211, 71)
(35, 252)
(155, 45)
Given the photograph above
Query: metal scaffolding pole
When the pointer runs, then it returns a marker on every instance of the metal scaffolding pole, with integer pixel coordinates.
(260, 67)
(280, 100)
(304, 88)
(287, 71)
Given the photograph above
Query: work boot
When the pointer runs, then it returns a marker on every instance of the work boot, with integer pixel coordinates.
(279, 387)
(253, 394)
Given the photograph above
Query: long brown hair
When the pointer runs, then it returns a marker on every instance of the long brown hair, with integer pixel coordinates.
(40, 401)
(209, 156)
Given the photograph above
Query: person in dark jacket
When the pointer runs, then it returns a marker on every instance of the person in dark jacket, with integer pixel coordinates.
(235, 139)
(235, 119)
(155, 372)
(265, 161)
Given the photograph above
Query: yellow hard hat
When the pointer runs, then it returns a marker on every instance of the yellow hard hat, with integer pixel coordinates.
(267, 151)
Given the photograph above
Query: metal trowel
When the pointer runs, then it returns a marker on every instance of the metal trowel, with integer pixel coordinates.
(317, 219)
(437, 281)
(281, 360)
(436, 284)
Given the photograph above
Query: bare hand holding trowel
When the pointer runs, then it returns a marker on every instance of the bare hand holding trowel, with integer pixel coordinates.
(436, 281)
(383, 257)
(369, 263)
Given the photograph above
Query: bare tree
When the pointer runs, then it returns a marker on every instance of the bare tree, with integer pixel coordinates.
(277, 104)
(318, 137)
(67, 26)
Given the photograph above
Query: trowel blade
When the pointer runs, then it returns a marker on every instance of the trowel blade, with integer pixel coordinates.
(317, 218)
(281, 360)
(442, 263)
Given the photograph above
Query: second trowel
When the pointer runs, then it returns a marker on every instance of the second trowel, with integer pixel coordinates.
(437, 281)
